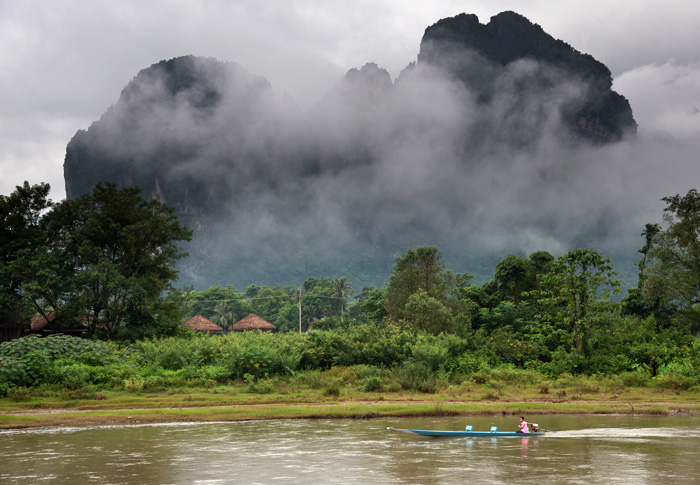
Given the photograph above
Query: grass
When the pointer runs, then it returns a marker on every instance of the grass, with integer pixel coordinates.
(294, 399)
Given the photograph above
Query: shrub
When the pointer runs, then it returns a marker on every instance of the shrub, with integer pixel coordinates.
(636, 378)
(332, 388)
(29, 360)
(675, 382)
(73, 376)
(134, 385)
(20, 393)
(372, 384)
(416, 376)
(313, 379)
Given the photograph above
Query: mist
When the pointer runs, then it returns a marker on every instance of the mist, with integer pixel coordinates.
(279, 194)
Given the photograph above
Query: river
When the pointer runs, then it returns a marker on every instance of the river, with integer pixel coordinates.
(578, 449)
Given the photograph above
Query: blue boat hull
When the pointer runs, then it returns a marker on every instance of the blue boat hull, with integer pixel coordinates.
(466, 434)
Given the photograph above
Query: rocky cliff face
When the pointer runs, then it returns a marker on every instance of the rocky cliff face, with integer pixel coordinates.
(485, 56)
(184, 131)
(377, 166)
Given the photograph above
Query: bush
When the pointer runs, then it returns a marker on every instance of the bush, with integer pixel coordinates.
(313, 379)
(372, 384)
(332, 388)
(674, 382)
(134, 385)
(416, 376)
(636, 378)
(29, 360)
(73, 376)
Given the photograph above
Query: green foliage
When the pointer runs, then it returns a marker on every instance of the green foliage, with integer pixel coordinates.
(372, 384)
(205, 303)
(514, 275)
(21, 240)
(416, 376)
(103, 259)
(427, 314)
(572, 291)
(419, 269)
(29, 360)
(672, 279)
(423, 294)
(371, 305)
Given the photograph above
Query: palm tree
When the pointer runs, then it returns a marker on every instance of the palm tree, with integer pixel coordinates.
(224, 316)
(342, 291)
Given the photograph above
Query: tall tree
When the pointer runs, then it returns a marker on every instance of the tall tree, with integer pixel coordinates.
(576, 284)
(342, 291)
(673, 272)
(22, 239)
(419, 269)
(513, 275)
(122, 249)
(541, 261)
(223, 316)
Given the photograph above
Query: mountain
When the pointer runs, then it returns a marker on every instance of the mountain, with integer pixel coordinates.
(471, 149)
(509, 42)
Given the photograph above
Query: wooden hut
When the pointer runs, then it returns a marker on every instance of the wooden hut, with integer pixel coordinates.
(199, 323)
(253, 322)
(49, 324)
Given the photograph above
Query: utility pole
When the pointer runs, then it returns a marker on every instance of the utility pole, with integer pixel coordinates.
(299, 309)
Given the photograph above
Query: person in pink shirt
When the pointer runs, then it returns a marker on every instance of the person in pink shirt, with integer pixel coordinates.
(522, 428)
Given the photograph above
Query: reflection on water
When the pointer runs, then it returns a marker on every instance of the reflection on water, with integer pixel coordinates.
(581, 449)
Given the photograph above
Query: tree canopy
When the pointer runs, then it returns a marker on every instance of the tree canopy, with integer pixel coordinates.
(102, 259)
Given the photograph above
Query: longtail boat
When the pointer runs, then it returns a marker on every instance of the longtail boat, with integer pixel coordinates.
(467, 433)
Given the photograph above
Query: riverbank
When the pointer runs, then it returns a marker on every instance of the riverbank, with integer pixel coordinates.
(236, 403)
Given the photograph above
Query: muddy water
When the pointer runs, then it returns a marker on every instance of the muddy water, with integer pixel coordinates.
(579, 449)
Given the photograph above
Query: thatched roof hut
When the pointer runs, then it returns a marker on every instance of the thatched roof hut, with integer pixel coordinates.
(51, 324)
(38, 322)
(253, 322)
(198, 323)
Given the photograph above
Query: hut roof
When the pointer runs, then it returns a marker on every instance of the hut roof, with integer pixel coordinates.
(253, 322)
(202, 324)
(39, 321)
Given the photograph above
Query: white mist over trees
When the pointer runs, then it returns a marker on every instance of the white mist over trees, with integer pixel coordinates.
(480, 167)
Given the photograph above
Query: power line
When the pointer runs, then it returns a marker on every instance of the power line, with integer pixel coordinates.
(269, 298)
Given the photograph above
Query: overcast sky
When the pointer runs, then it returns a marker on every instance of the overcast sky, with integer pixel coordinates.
(64, 62)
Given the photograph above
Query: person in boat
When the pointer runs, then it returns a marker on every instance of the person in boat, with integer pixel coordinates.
(523, 428)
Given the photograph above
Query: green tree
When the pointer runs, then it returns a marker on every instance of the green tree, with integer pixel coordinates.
(425, 313)
(109, 253)
(205, 302)
(638, 301)
(371, 305)
(35, 273)
(576, 285)
(125, 249)
(419, 269)
(513, 275)
(541, 261)
(223, 316)
(342, 291)
(673, 275)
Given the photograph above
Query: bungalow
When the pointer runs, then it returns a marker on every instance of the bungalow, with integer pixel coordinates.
(48, 324)
(199, 323)
(253, 322)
